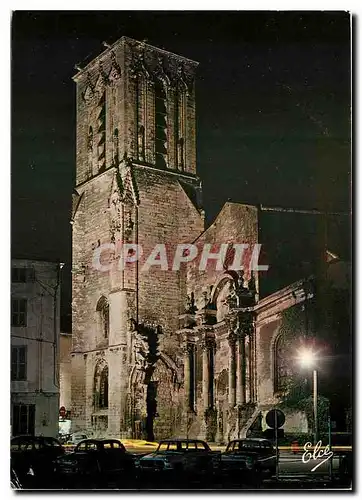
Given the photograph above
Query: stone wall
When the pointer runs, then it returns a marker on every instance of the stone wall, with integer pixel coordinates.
(129, 200)
(65, 370)
(236, 223)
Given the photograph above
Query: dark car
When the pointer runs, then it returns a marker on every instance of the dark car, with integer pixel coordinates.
(94, 464)
(249, 459)
(178, 460)
(32, 457)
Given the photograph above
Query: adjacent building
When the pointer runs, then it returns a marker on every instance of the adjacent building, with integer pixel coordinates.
(35, 313)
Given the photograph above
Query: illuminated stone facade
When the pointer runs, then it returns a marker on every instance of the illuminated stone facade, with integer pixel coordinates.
(157, 353)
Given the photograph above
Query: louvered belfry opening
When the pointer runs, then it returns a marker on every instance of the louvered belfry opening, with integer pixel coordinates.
(101, 131)
(180, 129)
(160, 125)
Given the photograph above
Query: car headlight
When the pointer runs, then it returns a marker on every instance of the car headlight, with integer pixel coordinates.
(249, 462)
(168, 465)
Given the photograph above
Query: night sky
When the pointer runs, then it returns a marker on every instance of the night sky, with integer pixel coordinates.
(273, 115)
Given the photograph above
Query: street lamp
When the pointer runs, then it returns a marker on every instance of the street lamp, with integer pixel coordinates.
(308, 359)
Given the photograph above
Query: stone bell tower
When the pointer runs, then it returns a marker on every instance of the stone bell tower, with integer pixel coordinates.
(136, 183)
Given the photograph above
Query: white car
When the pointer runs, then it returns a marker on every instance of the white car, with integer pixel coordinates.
(74, 439)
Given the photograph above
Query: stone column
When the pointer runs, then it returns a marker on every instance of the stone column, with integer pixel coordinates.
(251, 367)
(187, 378)
(212, 375)
(232, 370)
(241, 375)
(205, 376)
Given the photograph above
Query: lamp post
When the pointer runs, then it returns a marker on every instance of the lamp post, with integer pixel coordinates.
(315, 405)
(308, 359)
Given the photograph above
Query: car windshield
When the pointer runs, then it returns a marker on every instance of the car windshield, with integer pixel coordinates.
(249, 446)
(182, 446)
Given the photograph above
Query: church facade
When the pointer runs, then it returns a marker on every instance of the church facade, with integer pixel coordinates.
(161, 351)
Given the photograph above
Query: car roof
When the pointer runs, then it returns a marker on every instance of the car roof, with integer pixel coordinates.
(181, 440)
(259, 440)
(100, 440)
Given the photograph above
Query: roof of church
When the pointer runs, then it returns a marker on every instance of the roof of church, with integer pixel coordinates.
(91, 59)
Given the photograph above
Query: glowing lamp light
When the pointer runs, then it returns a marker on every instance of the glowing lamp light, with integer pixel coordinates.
(307, 358)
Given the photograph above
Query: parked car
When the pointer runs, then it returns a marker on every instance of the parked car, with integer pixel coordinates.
(31, 459)
(249, 459)
(94, 463)
(179, 459)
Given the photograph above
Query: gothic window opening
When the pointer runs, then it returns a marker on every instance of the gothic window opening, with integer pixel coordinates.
(180, 130)
(160, 125)
(282, 364)
(141, 143)
(103, 389)
(141, 116)
(103, 311)
(100, 391)
(116, 146)
(101, 132)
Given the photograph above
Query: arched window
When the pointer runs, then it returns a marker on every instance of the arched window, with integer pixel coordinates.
(103, 311)
(160, 125)
(100, 391)
(282, 364)
(101, 123)
(141, 104)
(141, 143)
(180, 128)
(103, 388)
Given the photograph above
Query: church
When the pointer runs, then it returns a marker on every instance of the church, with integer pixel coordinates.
(163, 352)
